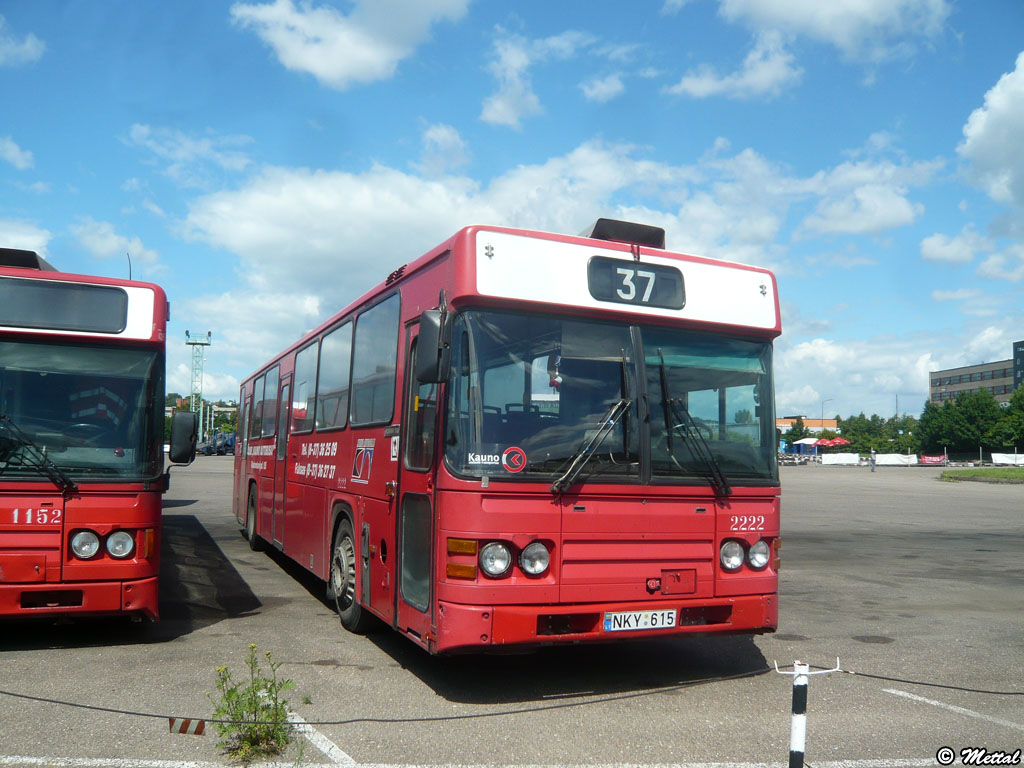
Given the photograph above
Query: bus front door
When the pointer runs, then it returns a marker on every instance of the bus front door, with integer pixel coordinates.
(414, 596)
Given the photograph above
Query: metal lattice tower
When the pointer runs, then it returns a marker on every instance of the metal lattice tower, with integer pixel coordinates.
(198, 348)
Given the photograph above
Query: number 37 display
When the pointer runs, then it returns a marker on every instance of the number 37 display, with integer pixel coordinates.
(632, 282)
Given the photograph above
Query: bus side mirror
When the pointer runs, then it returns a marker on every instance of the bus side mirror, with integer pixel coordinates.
(433, 350)
(184, 434)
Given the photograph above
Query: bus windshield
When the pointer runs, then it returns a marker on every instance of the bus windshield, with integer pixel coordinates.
(535, 396)
(93, 411)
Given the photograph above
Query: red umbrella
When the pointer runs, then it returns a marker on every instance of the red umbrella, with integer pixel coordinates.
(840, 441)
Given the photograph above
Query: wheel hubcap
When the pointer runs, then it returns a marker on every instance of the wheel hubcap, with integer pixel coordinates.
(343, 574)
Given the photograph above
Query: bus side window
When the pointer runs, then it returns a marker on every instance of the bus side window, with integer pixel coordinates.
(256, 423)
(375, 363)
(332, 379)
(304, 383)
(270, 403)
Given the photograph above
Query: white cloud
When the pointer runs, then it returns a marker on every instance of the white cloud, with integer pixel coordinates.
(863, 30)
(856, 375)
(866, 197)
(239, 341)
(511, 60)
(1008, 265)
(673, 6)
(961, 294)
(15, 52)
(990, 343)
(767, 71)
(100, 239)
(869, 209)
(342, 50)
(188, 158)
(993, 137)
(309, 242)
(960, 249)
(602, 90)
(443, 150)
(216, 386)
(24, 236)
(15, 155)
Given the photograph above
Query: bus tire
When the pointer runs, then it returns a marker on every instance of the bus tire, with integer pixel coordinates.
(343, 585)
(255, 542)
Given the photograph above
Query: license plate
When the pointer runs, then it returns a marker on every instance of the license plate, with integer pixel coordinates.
(634, 620)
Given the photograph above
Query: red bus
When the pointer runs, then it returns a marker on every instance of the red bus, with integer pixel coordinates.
(81, 441)
(527, 438)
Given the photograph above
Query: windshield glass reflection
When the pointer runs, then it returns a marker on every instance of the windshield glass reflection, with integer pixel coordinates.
(528, 393)
(92, 411)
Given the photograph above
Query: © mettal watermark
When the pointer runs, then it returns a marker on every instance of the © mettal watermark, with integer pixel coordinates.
(978, 756)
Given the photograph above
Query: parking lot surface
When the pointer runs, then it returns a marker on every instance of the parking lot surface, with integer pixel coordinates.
(912, 582)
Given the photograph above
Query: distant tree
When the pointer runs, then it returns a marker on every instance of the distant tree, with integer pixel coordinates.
(961, 425)
(796, 432)
(744, 416)
(979, 413)
(1008, 431)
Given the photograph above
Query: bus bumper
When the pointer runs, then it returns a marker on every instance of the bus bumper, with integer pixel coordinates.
(473, 627)
(139, 597)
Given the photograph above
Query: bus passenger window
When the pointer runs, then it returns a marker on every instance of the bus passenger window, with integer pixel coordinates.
(374, 363)
(332, 381)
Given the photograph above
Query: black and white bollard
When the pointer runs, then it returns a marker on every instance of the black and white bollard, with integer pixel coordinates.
(798, 726)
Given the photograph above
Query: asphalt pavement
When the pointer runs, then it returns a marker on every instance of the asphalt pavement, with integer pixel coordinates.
(913, 583)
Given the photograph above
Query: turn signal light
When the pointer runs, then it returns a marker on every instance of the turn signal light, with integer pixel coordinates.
(462, 547)
(148, 543)
(460, 571)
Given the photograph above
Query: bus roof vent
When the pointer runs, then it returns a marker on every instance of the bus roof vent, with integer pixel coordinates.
(14, 257)
(626, 232)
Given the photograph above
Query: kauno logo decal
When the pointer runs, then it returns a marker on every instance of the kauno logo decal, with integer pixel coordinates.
(514, 459)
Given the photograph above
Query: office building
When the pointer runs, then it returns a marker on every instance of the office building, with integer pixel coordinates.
(1000, 378)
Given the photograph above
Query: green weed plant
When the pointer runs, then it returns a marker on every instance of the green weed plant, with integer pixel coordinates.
(253, 714)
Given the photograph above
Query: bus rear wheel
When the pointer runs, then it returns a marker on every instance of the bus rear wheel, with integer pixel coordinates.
(342, 584)
(255, 542)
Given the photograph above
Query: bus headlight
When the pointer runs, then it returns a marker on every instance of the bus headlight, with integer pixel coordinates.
(495, 559)
(534, 560)
(85, 544)
(120, 544)
(757, 557)
(732, 555)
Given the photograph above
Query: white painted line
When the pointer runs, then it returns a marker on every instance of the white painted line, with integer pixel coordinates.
(958, 710)
(333, 752)
(108, 762)
(18, 761)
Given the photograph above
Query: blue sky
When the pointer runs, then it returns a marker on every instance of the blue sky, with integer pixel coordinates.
(266, 162)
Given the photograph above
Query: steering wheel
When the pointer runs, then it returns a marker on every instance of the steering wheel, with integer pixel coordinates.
(88, 433)
(679, 430)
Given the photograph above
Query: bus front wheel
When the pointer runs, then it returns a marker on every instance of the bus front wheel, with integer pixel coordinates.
(343, 580)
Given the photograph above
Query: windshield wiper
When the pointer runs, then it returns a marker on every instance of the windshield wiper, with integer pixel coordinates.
(38, 455)
(589, 448)
(676, 415)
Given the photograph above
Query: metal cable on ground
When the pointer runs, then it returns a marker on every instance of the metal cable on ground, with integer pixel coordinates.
(438, 718)
(505, 713)
(929, 685)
